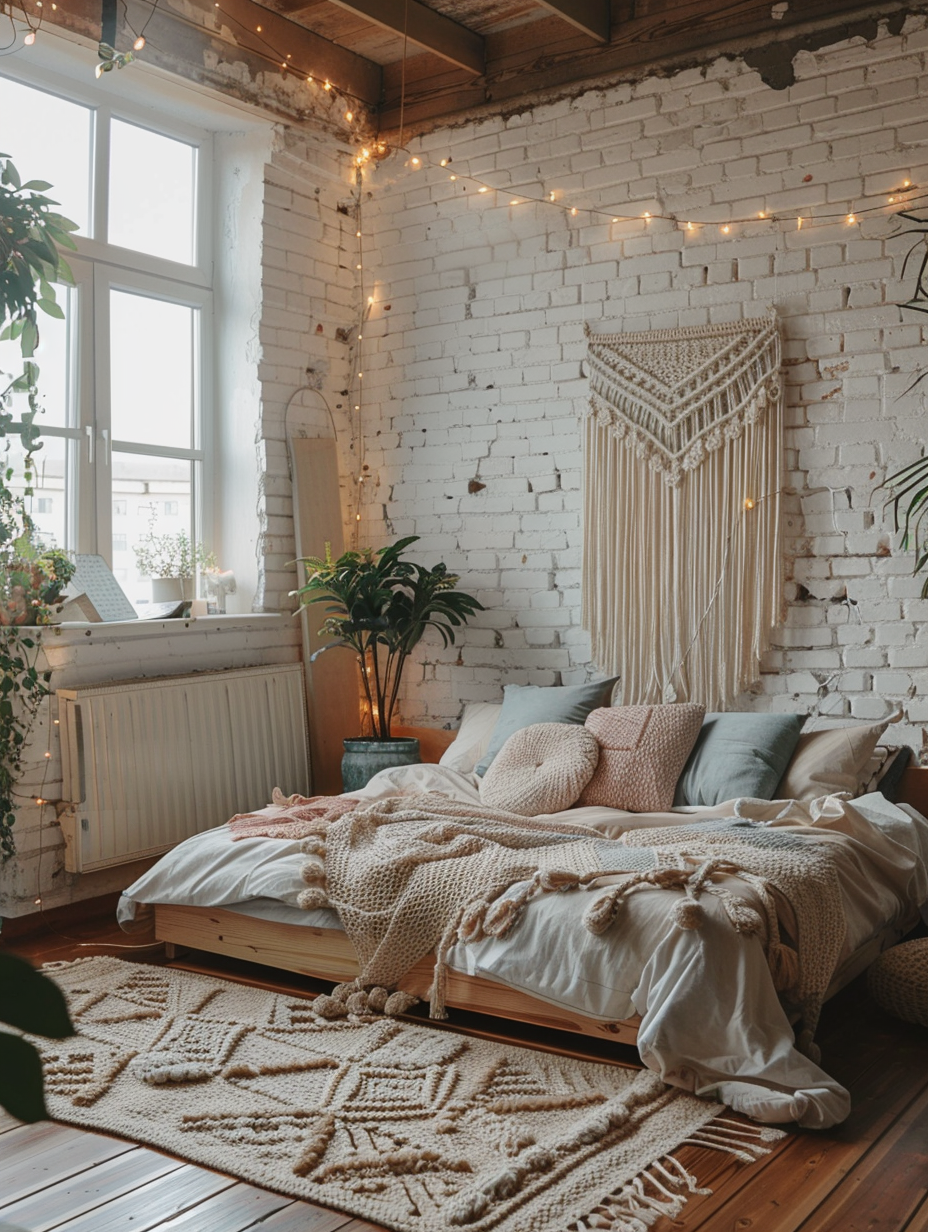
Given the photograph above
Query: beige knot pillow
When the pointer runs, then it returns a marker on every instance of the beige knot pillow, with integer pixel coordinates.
(642, 752)
(540, 769)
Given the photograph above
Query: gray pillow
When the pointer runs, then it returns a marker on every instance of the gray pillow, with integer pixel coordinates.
(525, 704)
(738, 754)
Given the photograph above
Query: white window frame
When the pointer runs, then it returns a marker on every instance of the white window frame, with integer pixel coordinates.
(98, 266)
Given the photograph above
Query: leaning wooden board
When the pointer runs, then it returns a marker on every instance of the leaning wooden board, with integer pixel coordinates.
(326, 953)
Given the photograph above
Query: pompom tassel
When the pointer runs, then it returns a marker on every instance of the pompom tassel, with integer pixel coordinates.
(688, 914)
(313, 871)
(399, 1002)
(600, 914)
(358, 1003)
(327, 1007)
(313, 900)
(784, 967)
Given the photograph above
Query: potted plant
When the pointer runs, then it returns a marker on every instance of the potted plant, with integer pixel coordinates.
(171, 561)
(31, 576)
(379, 605)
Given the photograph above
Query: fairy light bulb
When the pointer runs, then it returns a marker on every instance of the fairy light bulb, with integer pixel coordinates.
(414, 161)
(761, 214)
(573, 211)
(726, 229)
(358, 234)
(615, 220)
(30, 38)
(443, 163)
(139, 43)
(646, 215)
(799, 223)
(514, 201)
(906, 183)
(327, 86)
(891, 200)
(452, 177)
(749, 502)
(370, 299)
(483, 188)
(258, 28)
(349, 116)
(551, 196)
(690, 227)
(851, 219)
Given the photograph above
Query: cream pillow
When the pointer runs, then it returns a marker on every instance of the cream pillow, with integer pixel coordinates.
(643, 750)
(473, 738)
(540, 769)
(825, 762)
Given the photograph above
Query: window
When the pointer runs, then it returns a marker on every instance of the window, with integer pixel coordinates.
(123, 374)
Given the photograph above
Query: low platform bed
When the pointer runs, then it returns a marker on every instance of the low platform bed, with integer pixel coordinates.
(327, 954)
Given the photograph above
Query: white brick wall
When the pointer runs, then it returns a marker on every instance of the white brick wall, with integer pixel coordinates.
(476, 370)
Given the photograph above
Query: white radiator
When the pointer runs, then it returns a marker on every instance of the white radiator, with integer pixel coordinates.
(147, 763)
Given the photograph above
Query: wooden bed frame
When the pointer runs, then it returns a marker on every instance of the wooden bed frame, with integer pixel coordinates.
(327, 954)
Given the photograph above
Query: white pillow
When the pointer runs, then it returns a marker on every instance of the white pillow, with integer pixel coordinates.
(830, 758)
(473, 738)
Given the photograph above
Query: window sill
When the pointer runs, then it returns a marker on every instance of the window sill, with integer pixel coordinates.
(72, 631)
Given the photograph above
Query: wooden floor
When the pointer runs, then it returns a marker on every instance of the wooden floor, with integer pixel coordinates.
(868, 1175)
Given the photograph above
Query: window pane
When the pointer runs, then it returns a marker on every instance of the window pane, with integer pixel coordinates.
(152, 370)
(141, 489)
(54, 144)
(48, 505)
(54, 355)
(152, 193)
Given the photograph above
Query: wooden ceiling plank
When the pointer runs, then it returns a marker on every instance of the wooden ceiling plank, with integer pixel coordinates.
(309, 52)
(426, 28)
(590, 16)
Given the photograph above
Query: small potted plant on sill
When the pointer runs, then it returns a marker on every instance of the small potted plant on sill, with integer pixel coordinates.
(172, 561)
(380, 605)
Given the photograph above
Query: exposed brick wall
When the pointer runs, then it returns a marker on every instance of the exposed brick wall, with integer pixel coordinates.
(476, 370)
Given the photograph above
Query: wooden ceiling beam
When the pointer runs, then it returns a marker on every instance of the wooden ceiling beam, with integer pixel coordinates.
(426, 28)
(590, 16)
(201, 52)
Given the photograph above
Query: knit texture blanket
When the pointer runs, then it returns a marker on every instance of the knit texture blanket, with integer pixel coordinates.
(411, 874)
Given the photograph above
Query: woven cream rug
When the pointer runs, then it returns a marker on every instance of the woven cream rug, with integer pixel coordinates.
(408, 1126)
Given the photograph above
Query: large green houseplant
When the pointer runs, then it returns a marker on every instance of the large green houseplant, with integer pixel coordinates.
(379, 605)
(31, 576)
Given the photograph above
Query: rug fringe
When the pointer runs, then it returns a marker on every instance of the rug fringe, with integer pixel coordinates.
(636, 1208)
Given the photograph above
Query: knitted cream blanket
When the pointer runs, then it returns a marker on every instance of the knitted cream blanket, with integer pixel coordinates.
(413, 873)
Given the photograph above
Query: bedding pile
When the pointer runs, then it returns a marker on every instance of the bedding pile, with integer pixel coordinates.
(401, 875)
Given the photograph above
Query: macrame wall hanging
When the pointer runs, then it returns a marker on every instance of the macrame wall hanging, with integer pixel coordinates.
(681, 569)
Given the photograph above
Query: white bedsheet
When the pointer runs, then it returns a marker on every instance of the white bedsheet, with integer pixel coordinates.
(711, 1019)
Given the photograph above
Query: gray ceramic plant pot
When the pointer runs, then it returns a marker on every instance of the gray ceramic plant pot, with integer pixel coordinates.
(363, 758)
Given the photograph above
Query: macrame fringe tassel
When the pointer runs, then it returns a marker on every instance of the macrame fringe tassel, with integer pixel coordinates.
(661, 1191)
(682, 585)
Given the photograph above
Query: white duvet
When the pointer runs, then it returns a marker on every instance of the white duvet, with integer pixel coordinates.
(711, 1021)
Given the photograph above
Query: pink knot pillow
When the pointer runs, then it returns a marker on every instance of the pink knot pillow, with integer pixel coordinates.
(642, 752)
(540, 769)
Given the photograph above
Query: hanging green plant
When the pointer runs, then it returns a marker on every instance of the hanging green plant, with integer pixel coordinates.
(32, 576)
